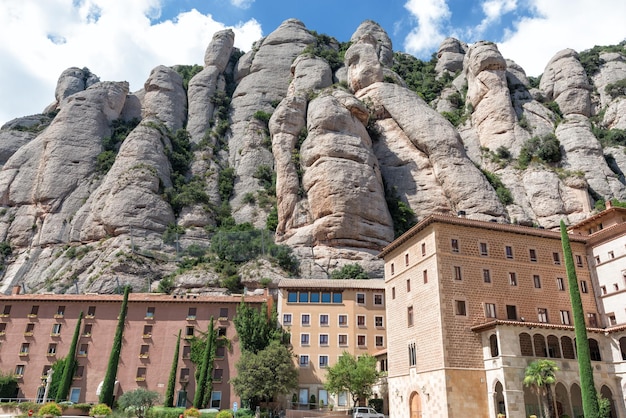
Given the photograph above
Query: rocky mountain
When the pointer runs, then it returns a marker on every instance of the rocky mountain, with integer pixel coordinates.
(338, 147)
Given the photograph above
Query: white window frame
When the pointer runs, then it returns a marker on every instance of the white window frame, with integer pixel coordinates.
(360, 298)
(305, 339)
(287, 319)
(382, 299)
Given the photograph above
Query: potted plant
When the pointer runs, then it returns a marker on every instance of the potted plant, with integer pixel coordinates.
(100, 410)
(50, 409)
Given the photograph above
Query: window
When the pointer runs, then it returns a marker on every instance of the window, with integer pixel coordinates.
(490, 310)
(457, 273)
(56, 329)
(82, 350)
(537, 281)
(52, 349)
(615, 287)
(460, 308)
(218, 374)
(393, 269)
(150, 312)
(191, 313)
(34, 310)
(189, 331)
(315, 297)
(186, 351)
(303, 397)
(337, 297)
(6, 311)
(454, 243)
(141, 374)
(378, 299)
(216, 399)
(579, 260)
(220, 352)
(144, 351)
(483, 249)
(326, 297)
(292, 297)
(30, 328)
(303, 297)
(147, 331)
(597, 259)
(611, 254)
(360, 340)
(343, 339)
(304, 339)
(592, 320)
(60, 312)
(91, 311)
(224, 313)
(565, 319)
(412, 355)
(360, 320)
(324, 339)
(408, 285)
(393, 292)
(323, 362)
(532, 254)
(511, 312)
(184, 374)
(378, 321)
(24, 349)
(324, 320)
(304, 360)
(612, 320)
(287, 319)
(425, 276)
(19, 370)
(221, 331)
(360, 298)
(542, 314)
(560, 283)
(603, 289)
(423, 249)
(556, 257)
(79, 372)
(305, 319)
(379, 341)
(486, 276)
(583, 286)
(508, 251)
(343, 320)
(513, 279)
(406, 259)
(3, 328)
(409, 316)
(87, 330)
(74, 395)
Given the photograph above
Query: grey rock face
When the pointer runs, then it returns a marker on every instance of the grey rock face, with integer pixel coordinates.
(384, 48)
(450, 56)
(612, 70)
(72, 81)
(363, 65)
(564, 80)
(169, 103)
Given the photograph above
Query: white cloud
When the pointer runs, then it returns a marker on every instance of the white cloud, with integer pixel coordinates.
(431, 15)
(493, 10)
(116, 39)
(242, 4)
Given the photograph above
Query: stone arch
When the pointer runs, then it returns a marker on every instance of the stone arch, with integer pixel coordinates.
(594, 350)
(606, 393)
(577, 400)
(568, 347)
(539, 342)
(622, 347)
(562, 400)
(532, 403)
(415, 404)
(554, 350)
(498, 398)
(493, 345)
(525, 345)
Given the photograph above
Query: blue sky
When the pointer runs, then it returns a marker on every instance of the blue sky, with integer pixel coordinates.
(125, 39)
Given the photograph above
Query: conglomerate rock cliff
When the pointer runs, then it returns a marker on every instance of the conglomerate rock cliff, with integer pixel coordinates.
(322, 141)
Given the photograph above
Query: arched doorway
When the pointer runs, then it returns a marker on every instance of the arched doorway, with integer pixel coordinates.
(498, 397)
(416, 405)
(577, 400)
(532, 402)
(562, 400)
(607, 394)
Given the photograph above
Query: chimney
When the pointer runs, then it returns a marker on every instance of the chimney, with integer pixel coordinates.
(608, 204)
(16, 290)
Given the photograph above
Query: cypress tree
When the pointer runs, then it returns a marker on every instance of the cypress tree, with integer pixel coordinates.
(587, 387)
(70, 364)
(208, 383)
(108, 386)
(171, 382)
(199, 398)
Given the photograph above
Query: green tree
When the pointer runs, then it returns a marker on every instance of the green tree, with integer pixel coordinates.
(349, 271)
(138, 401)
(587, 387)
(8, 385)
(266, 374)
(540, 375)
(204, 379)
(107, 395)
(354, 375)
(57, 373)
(171, 382)
(255, 328)
(70, 364)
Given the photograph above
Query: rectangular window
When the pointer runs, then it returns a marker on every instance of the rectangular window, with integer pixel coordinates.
(150, 312)
(220, 351)
(323, 361)
(592, 320)
(532, 254)
(82, 350)
(508, 251)
(511, 312)
(305, 319)
(326, 297)
(60, 312)
(87, 330)
(360, 320)
(490, 310)
(19, 370)
(52, 349)
(560, 283)
(583, 286)
(91, 311)
(7, 310)
(324, 320)
(483, 249)
(513, 279)
(579, 260)
(184, 374)
(34, 310)
(292, 297)
(393, 269)
(412, 354)
(408, 285)
(191, 313)
(144, 351)
(378, 299)
(360, 298)
(343, 320)
(486, 276)
(218, 374)
(337, 297)
(24, 349)
(393, 292)
(323, 339)
(304, 340)
(406, 259)
(30, 328)
(56, 329)
(315, 297)
(379, 341)
(537, 281)
(3, 328)
(74, 395)
(457, 273)
(556, 257)
(216, 399)
(425, 276)
(147, 331)
(79, 372)
(141, 374)
(189, 332)
(343, 339)
(287, 319)
(454, 244)
(612, 320)
(304, 360)
(611, 254)
(360, 339)
(409, 316)
(186, 351)
(565, 319)
(460, 308)
(423, 249)
(542, 314)
(378, 321)
(597, 259)
(603, 289)
(303, 297)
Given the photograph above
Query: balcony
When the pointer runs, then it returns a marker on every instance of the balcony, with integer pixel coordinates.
(2, 333)
(146, 336)
(23, 354)
(59, 316)
(144, 355)
(81, 354)
(4, 315)
(51, 354)
(140, 379)
(28, 334)
(223, 319)
(32, 315)
(56, 335)
(191, 317)
(89, 316)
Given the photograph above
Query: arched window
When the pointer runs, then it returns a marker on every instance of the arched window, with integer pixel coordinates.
(594, 350)
(568, 347)
(554, 350)
(493, 344)
(525, 345)
(540, 345)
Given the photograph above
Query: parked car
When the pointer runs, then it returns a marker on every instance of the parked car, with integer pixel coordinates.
(365, 412)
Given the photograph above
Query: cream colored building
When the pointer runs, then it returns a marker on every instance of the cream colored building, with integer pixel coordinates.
(326, 318)
(470, 304)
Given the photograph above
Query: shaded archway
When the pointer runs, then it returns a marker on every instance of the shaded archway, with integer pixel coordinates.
(540, 345)
(554, 350)
(577, 401)
(415, 403)
(607, 394)
(562, 400)
(568, 347)
(532, 403)
(498, 397)
(594, 350)
(525, 345)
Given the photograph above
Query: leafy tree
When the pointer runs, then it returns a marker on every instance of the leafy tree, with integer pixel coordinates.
(138, 401)
(266, 374)
(8, 385)
(354, 375)
(108, 385)
(349, 271)
(70, 364)
(255, 328)
(171, 382)
(204, 379)
(587, 387)
(540, 374)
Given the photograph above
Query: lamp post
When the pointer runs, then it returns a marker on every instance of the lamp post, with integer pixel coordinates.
(48, 381)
